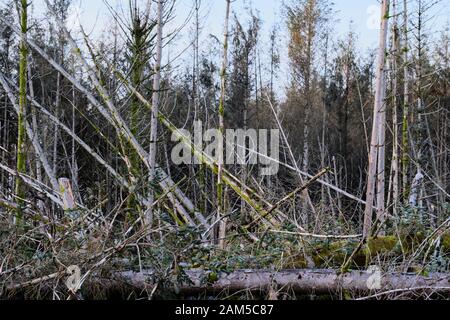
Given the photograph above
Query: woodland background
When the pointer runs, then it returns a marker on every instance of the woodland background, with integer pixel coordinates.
(86, 178)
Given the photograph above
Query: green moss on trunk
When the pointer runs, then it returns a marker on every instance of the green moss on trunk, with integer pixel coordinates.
(336, 253)
(21, 150)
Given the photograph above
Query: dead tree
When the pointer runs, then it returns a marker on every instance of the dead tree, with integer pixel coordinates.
(376, 172)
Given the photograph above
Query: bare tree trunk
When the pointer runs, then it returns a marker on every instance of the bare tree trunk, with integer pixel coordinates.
(415, 189)
(154, 117)
(381, 168)
(395, 153)
(56, 128)
(220, 192)
(306, 121)
(299, 281)
(73, 162)
(111, 113)
(405, 122)
(377, 131)
(421, 155)
(34, 128)
(21, 115)
(34, 124)
(324, 118)
(32, 135)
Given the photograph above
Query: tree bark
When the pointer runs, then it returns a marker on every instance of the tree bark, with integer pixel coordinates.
(154, 116)
(395, 153)
(405, 122)
(111, 115)
(220, 193)
(300, 281)
(21, 115)
(379, 117)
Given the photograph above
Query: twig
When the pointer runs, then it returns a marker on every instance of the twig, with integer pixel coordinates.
(404, 290)
(320, 236)
(298, 190)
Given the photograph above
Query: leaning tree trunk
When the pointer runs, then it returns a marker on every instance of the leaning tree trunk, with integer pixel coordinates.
(111, 113)
(33, 137)
(376, 156)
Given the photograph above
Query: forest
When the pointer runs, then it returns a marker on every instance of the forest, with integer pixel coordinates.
(148, 158)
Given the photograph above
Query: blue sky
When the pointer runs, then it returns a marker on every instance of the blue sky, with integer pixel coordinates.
(93, 14)
(95, 17)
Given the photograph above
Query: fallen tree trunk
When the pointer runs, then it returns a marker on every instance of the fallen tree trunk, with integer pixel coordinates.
(200, 282)
(300, 281)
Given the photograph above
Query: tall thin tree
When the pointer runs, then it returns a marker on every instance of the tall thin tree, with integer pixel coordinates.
(21, 135)
(375, 178)
(394, 73)
(155, 112)
(223, 77)
(405, 120)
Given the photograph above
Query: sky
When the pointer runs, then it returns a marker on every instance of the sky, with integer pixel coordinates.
(363, 13)
(94, 13)
(361, 16)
